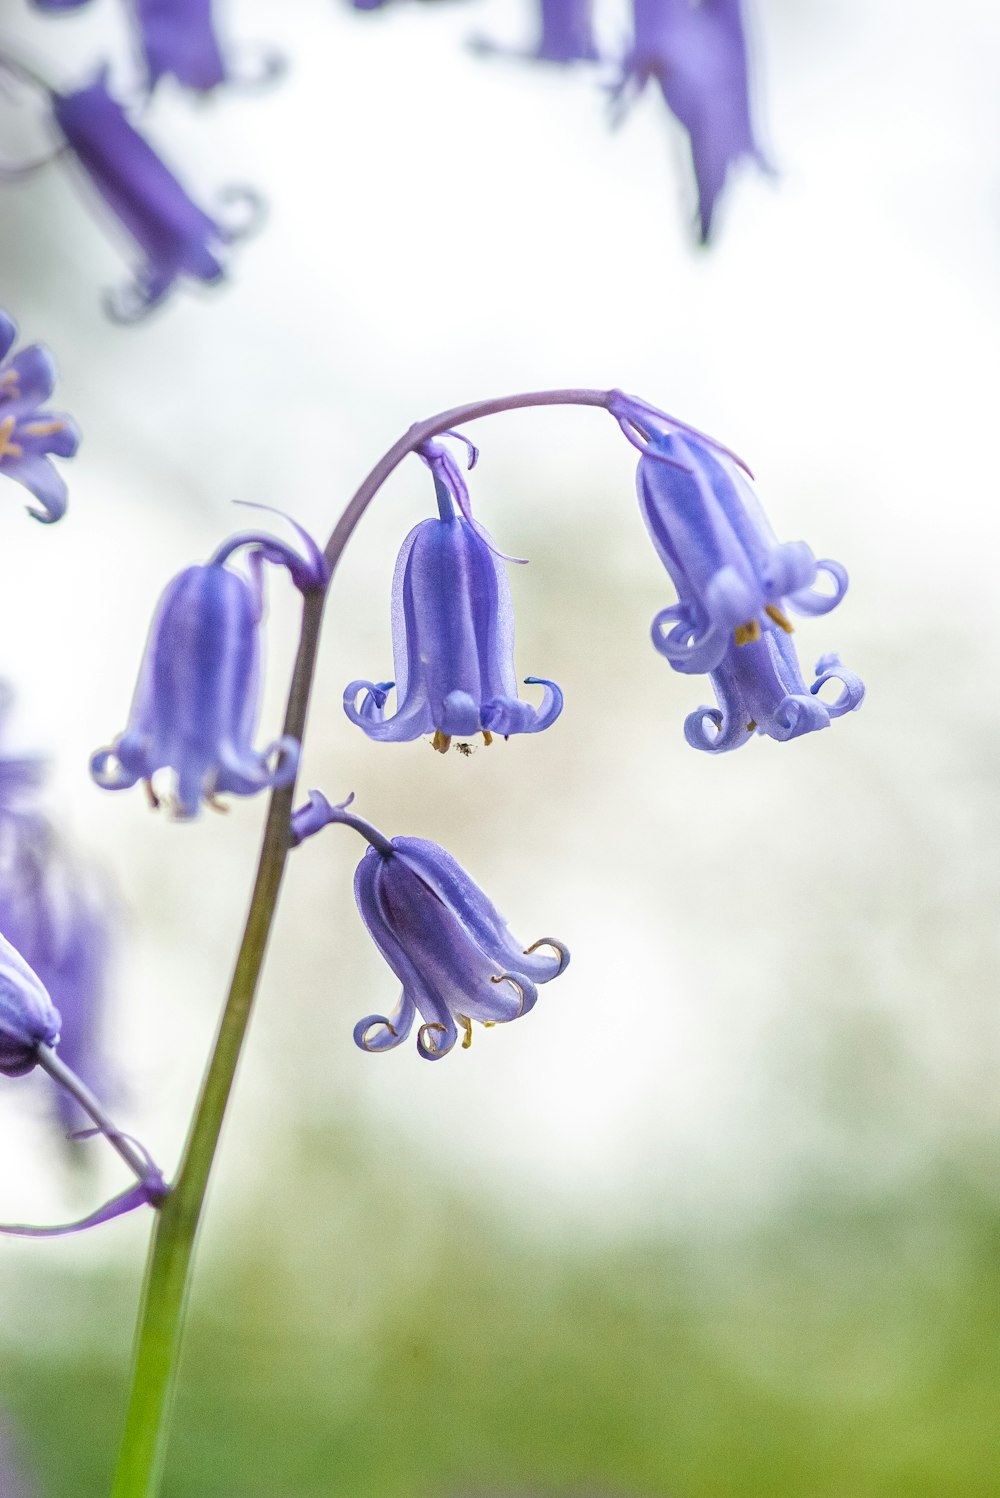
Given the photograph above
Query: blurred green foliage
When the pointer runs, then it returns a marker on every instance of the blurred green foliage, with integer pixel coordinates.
(365, 1331)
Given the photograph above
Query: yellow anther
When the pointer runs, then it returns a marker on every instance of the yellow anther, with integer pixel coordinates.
(9, 377)
(466, 1024)
(506, 978)
(441, 741)
(751, 725)
(424, 1040)
(151, 796)
(9, 449)
(383, 1024)
(546, 941)
(747, 634)
(487, 737)
(44, 428)
(780, 619)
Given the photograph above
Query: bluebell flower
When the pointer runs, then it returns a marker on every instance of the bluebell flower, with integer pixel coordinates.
(567, 32)
(735, 585)
(28, 1017)
(29, 1034)
(60, 917)
(176, 237)
(28, 434)
(696, 51)
(197, 699)
(178, 40)
(446, 942)
(453, 633)
(59, 914)
(566, 35)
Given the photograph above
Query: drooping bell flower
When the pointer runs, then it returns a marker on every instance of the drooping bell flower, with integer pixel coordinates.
(736, 585)
(446, 942)
(29, 435)
(696, 51)
(197, 699)
(453, 633)
(176, 237)
(28, 1017)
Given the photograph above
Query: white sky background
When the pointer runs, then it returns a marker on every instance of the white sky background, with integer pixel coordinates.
(784, 962)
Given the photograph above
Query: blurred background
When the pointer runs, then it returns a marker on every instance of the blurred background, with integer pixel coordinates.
(721, 1217)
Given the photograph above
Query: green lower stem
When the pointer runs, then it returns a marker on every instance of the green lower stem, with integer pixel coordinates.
(164, 1295)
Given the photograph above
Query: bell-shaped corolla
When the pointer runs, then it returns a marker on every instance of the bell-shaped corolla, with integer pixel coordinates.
(197, 699)
(453, 635)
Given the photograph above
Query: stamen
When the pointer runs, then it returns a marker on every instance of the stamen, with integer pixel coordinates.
(151, 796)
(751, 725)
(466, 1024)
(441, 741)
(9, 449)
(424, 1040)
(487, 737)
(506, 978)
(43, 428)
(747, 634)
(9, 377)
(382, 1024)
(546, 941)
(780, 619)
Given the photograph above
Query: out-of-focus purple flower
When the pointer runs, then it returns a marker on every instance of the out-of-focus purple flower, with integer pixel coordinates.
(453, 633)
(178, 40)
(197, 699)
(176, 236)
(734, 584)
(567, 32)
(447, 944)
(29, 435)
(696, 51)
(29, 1033)
(60, 916)
(566, 36)
(28, 1017)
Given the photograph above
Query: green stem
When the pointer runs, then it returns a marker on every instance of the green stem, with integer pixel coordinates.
(164, 1295)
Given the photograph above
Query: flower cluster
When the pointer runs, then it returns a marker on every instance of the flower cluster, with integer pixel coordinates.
(735, 587)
